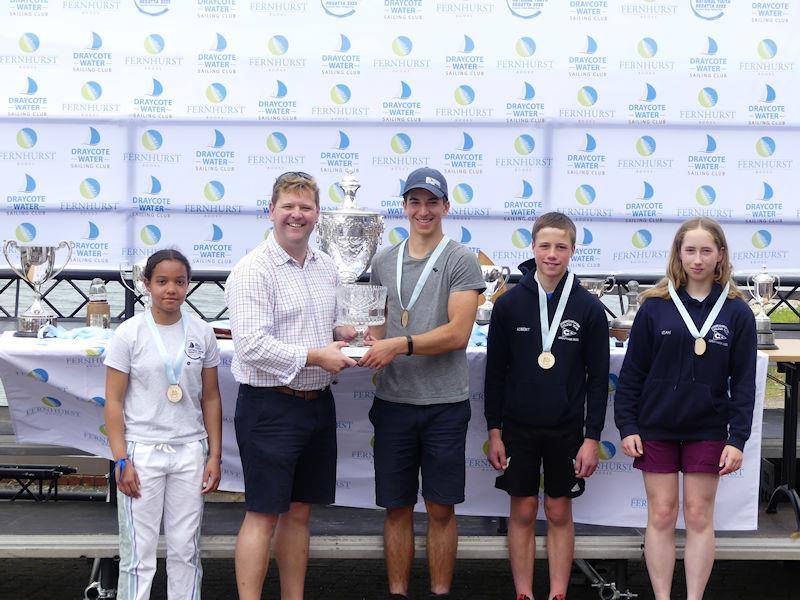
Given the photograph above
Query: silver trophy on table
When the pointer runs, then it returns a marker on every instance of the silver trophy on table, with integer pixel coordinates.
(763, 287)
(495, 279)
(350, 236)
(620, 327)
(135, 274)
(597, 287)
(37, 266)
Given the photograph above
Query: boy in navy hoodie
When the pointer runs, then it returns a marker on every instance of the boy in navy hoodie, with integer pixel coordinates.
(545, 395)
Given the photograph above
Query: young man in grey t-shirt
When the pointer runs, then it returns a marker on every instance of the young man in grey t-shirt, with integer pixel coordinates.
(421, 406)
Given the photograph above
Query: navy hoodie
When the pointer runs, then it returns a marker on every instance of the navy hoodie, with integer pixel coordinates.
(574, 393)
(667, 392)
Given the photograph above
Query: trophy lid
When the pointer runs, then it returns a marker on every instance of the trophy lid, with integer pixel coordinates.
(763, 276)
(350, 185)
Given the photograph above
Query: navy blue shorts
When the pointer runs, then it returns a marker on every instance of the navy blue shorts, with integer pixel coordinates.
(410, 437)
(288, 448)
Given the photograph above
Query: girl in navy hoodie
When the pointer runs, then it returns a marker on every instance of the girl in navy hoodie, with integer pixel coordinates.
(685, 398)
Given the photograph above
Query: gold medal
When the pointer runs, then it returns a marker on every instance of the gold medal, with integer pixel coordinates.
(174, 393)
(546, 360)
(404, 318)
(699, 346)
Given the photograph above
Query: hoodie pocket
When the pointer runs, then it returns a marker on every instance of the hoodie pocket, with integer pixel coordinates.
(682, 405)
(542, 404)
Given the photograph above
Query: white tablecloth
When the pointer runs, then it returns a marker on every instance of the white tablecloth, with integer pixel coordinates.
(55, 391)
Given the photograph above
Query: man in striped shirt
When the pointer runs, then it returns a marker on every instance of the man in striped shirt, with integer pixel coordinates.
(282, 300)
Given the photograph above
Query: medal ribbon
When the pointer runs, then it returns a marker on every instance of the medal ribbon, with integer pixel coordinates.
(712, 316)
(549, 329)
(173, 371)
(423, 278)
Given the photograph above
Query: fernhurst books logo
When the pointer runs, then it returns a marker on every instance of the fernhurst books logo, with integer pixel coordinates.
(464, 95)
(39, 375)
(645, 146)
(26, 138)
(154, 43)
(647, 48)
(767, 49)
(521, 238)
(25, 232)
(765, 146)
(400, 143)
(340, 94)
(585, 194)
(278, 45)
(707, 97)
(587, 96)
(277, 142)
(606, 450)
(644, 206)
(214, 191)
(402, 46)
(641, 239)
(91, 91)
(152, 140)
(524, 144)
(150, 235)
(89, 188)
(216, 92)
(397, 235)
(29, 42)
(462, 193)
(705, 195)
(51, 402)
(761, 239)
(525, 47)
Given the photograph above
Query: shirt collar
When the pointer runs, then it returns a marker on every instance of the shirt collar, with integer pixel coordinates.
(275, 252)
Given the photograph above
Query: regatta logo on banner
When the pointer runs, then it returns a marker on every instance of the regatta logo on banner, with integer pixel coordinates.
(152, 156)
(524, 59)
(90, 153)
(24, 201)
(706, 112)
(26, 8)
(401, 158)
(152, 202)
(646, 111)
(648, 162)
(586, 159)
(276, 143)
(91, 92)
(402, 107)
(338, 157)
(216, 9)
(649, 61)
(464, 8)
(402, 60)
(587, 62)
(217, 59)
(708, 64)
(465, 62)
(31, 58)
(211, 250)
(91, 57)
(91, 8)
(278, 106)
(765, 148)
(153, 8)
(707, 161)
(277, 47)
(640, 252)
(90, 248)
(464, 159)
(769, 64)
(339, 8)
(767, 110)
(154, 58)
(88, 203)
(278, 8)
(709, 10)
(762, 251)
(213, 156)
(587, 97)
(771, 12)
(522, 159)
(153, 103)
(464, 97)
(585, 196)
(588, 254)
(764, 208)
(645, 207)
(526, 9)
(216, 105)
(648, 9)
(460, 195)
(588, 10)
(403, 10)
(26, 139)
(705, 196)
(522, 206)
(524, 108)
(341, 60)
(27, 102)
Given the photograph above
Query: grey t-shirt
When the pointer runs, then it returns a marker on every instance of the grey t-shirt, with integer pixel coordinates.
(438, 379)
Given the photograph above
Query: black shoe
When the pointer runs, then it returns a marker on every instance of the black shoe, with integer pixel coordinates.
(397, 597)
(433, 596)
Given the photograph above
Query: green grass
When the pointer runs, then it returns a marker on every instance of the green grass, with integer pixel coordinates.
(783, 314)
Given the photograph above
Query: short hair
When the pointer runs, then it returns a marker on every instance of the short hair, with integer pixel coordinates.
(294, 181)
(162, 255)
(555, 220)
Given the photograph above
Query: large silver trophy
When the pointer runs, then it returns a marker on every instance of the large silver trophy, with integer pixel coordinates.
(37, 265)
(350, 236)
(597, 287)
(620, 327)
(763, 287)
(495, 278)
(135, 274)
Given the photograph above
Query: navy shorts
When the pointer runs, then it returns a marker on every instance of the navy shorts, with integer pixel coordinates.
(410, 437)
(531, 450)
(288, 448)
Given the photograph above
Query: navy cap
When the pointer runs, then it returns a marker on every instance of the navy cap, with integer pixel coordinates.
(427, 179)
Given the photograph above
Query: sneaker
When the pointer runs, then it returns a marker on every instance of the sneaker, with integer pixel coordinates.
(433, 596)
(397, 597)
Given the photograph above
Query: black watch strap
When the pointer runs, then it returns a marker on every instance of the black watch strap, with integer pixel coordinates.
(410, 345)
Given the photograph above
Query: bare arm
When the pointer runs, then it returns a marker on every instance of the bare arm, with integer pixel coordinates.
(211, 406)
(116, 385)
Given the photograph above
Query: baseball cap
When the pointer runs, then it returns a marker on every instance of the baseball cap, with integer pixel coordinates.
(427, 179)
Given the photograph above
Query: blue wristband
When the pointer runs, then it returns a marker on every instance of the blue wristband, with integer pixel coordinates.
(121, 464)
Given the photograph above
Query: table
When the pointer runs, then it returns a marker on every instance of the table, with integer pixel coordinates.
(787, 357)
(55, 391)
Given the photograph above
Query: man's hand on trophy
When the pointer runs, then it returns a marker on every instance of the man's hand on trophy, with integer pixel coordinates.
(330, 358)
(345, 333)
(382, 352)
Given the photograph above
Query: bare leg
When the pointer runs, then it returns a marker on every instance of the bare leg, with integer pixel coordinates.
(522, 542)
(442, 545)
(560, 542)
(252, 553)
(398, 547)
(659, 539)
(291, 550)
(699, 491)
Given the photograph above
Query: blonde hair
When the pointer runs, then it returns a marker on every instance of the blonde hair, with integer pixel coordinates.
(723, 272)
(294, 181)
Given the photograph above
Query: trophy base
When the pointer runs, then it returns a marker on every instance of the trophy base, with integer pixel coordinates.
(766, 340)
(355, 352)
(29, 325)
(484, 315)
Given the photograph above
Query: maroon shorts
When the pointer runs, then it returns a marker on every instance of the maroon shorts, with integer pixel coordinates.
(671, 456)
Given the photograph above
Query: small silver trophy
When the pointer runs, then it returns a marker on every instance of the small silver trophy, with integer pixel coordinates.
(360, 305)
(37, 266)
(349, 234)
(495, 279)
(135, 274)
(597, 287)
(763, 287)
(620, 327)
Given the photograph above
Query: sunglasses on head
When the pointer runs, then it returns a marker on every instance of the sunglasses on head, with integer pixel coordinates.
(301, 174)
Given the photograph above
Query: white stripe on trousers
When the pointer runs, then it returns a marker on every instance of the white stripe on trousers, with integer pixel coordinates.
(170, 477)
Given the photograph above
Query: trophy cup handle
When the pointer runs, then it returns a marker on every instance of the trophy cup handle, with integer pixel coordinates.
(609, 283)
(505, 276)
(751, 287)
(123, 270)
(68, 246)
(777, 285)
(8, 260)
